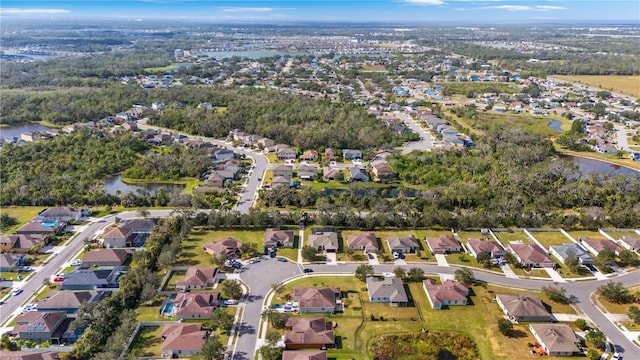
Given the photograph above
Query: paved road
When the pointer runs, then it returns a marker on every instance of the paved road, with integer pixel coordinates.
(425, 143)
(260, 165)
(623, 141)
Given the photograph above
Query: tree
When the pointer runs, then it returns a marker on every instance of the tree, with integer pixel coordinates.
(399, 272)
(597, 338)
(231, 289)
(309, 253)
(628, 257)
(277, 320)
(415, 274)
(604, 260)
(277, 287)
(593, 354)
(213, 349)
(615, 292)
(465, 276)
(634, 314)
(6, 221)
(555, 293)
(505, 326)
(222, 320)
(572, 263)
(364, 271)
(484, 258)
(511, 259)
(143, 213)
(581, 324)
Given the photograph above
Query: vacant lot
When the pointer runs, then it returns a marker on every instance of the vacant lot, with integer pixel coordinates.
(469, 260)
(623, 84)
(619, 234)
(22, 214)
(506, 237)
(590, 234)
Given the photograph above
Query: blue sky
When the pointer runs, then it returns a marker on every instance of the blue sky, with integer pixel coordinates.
(425, 11)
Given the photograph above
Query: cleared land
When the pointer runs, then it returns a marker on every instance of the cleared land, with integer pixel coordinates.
(160, 68)
(22, 214)
(623, 84)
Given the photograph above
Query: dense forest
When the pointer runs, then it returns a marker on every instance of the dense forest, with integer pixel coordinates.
(298, 121)
(66, 169)
(171, 163)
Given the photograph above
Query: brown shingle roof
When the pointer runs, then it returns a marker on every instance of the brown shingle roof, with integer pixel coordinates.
(226, 246)
(183, 337)
(278, 236)
(523, 305)
(196, 303)
(198, 276)
(316, 297)
(117, 233)
(39, 321)
(102, 255)
(304, 355)
(601, 244)
(364, 239)
(449, 290)
(531, 253)
(556, 337)
(307, 331)
(480, 246)
(442, 243)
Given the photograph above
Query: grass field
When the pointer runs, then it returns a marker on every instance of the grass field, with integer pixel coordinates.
(548, 238)
(489, 120)
(541, 273)
(619, 234)
(590, 234)
(506, 237)
(469, 260)
(22, 213)
(617, 83)
(356, 330)
(160, 68)
(616, 308)
(147, 343)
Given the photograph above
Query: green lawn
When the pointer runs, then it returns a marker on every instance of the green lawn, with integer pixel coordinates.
(43, 294)
(151, 312)
(566, 273)
(22, 213)
(527, 273)
(616, 308)
(160, 68)
(506, 237)
(468, 260)
(548, 238)
(466, 235)
(175, 276)
(619, 234)
(147, 343)
(590, 234)
(191, 253)
(355, 329)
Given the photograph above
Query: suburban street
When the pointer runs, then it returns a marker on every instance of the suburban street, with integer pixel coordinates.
(623, 141)
(426, 141)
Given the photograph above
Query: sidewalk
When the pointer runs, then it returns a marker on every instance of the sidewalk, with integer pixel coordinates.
(508, 272)
(554, 275)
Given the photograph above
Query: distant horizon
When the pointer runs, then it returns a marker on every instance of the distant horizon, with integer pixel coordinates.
(417, 12)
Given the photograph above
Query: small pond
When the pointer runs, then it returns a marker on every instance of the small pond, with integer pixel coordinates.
(114, 184)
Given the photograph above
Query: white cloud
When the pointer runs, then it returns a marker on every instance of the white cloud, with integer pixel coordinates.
(18, 11)
(550, 7)
(511, 7)
(247, 9)
(425, 2)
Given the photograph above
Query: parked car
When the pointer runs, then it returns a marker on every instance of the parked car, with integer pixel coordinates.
(16, 292)
(76, 262)
(371, 257)
(58, 279)
(616, 356)
(281, 259)
(307, 270)
(230, 302)
(25, 268)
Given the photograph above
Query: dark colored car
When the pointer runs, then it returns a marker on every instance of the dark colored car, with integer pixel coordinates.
(307, 270)
(282, 259)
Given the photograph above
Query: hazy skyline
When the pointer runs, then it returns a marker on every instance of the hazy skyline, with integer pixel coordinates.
(416, 11)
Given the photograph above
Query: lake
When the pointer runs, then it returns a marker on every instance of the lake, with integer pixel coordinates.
(15, 130)
(555, 125)
(114, 184)
(588, 166)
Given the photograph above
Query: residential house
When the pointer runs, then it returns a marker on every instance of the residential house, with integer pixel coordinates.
(329, 173)
(477, 246)
(382, 172)
(280, 181)
(307, 172)
(68, 301)
(404, 244)
(223, 154)
(42, 326)
(30, 355)
(39, 226)
(597, 245)
(118, 237)
(308, 333)
(388, 290)
(283, 170)
(11, 262)
(444, 244)
(525, 308)
(106, 257)
(61, 214)
(349, 154)
(330, 154)
(228, 247)
(304, 355)
(87, 279)
(555, 339)
(448, 293)
(562, 252)
(309, 155)
(631, 243)
(215, 179)
(266, 142)
(324, 241)
(287, 154)
(21, 243)
(274, 238)
(318, 299)
(197, 278)
(531, 255)
(187, 305)
(363, 241)
(250, 139)
(358, 174)
(182, 339)
(140, 226)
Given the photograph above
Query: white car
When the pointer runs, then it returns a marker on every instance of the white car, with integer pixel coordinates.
(16, 292)
(230, 302)
(616, 356)
(76, 262)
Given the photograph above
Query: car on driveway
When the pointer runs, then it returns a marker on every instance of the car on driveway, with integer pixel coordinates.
(230, 302)
(16, 292)
(281, 259)
(25, 268)
(76, 262)
(616, 356)
(58, 279)
(371, 257)
(307, 270)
